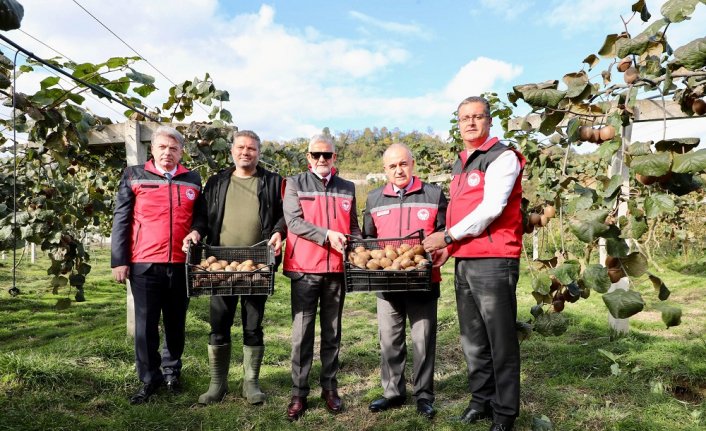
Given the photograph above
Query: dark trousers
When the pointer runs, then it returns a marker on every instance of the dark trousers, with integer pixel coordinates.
(392, 313)
(159, 289)
(324, 292)
(487, 312)
(252, 311)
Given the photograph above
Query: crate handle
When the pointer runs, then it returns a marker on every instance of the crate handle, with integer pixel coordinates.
(263, 242)
(419, 232)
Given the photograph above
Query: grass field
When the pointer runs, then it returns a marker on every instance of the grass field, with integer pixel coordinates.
(73, 369)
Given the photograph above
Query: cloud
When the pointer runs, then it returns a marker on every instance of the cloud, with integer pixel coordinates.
(390, 26)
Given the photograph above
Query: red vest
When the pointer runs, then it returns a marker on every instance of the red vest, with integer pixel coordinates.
(329, 207)
(162, 214)
(503, 237)
(388, 216)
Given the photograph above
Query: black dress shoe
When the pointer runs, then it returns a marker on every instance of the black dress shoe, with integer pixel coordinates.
(500, 427)
(173, 384)
(382, 404)
(425, 408)
(144, 394)
(471, 415)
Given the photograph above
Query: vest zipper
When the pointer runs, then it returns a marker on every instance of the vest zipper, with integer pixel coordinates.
(171, 220)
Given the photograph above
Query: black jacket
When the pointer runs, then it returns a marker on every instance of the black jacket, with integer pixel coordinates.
(269, 192)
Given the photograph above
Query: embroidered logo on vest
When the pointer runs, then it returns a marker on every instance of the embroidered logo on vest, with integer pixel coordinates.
(346, 205)
(473, 179)
(423, 214)
(191, 194)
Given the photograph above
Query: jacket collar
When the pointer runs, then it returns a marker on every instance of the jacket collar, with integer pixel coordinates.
(416, 186)
(483, 148)
(150, 167)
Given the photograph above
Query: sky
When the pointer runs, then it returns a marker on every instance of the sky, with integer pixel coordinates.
(294, 67)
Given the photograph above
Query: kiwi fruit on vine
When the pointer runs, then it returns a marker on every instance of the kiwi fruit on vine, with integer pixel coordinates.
(586, 133)
(624, 64)
(535, 219)
(549, 211)
(596, 138)
(558, 306)
(612, 262)
(615, 274)
(645, 179)
(631, 74)
(663, 179)
(606, 133)
(543, 220)
(699, 107)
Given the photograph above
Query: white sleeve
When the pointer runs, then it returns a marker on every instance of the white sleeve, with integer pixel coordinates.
(499, 181)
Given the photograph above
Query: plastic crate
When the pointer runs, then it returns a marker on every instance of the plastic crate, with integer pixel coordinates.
(385, 280)
(201, 282)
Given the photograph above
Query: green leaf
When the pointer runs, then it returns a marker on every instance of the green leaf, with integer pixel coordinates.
(550, 119)
(623, 303)
(634, 264)
(542, 283)
(678, 10)
(84, 69)
(139, 77)
(76, 98)
(626, 46)
(608, 149)
(654, 165)
(77, 280)
(608, 48)
(567, 272)
(120, 85)
(640, 148)
(62, 303)
(543, 98)
(678, 145)
(640, 6)
(589, 225)
(658, 204)
(671, 316)
(83, 268)
(144, 90)
(613, 185)
(635, 228)
(541, 423)
(617, 247)
(572, 129)
(59, 281)
(116, 62)
(73, 114)
(226, 116)
(551, 324)
(596, 277)
(690, 162)
(610, 355)
(692, 55)
(660, 287)
(49, 82)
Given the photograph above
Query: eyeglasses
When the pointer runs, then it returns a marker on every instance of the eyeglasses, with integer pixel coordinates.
(316, 155)
(468, 118)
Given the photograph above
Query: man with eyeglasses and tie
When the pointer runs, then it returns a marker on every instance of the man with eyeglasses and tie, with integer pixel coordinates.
(157, 204)
(484, 234)
(320, 210)
(403, 206)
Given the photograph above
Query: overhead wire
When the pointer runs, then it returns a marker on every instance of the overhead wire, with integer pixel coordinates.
(133, 49)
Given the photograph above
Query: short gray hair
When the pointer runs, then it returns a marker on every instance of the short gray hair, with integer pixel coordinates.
(322, 138)
(398, 145)
(475, 99)
(248, 134)
(169, 132)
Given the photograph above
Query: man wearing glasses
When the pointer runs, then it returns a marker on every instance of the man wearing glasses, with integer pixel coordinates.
(320, 210)
(484, 234)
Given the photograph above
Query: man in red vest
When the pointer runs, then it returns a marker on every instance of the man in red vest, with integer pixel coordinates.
(484, 234)
(403, 206)
(320, 210)
(156, 206)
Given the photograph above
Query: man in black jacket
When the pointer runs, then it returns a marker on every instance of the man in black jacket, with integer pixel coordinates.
(244, 208)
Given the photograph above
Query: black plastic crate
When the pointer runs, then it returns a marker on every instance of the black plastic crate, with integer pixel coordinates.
(357, 279)
(202, 282)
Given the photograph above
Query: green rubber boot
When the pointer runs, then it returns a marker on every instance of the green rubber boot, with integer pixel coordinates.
(218, 364)
(252, 359)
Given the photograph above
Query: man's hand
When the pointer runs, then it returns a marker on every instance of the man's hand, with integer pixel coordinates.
(434, 242)
(439, 257)
(121, 273)
(337, 240)
(193, 236)
(276, 242)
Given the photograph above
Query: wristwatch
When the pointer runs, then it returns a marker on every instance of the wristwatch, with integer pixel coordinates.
(447, 238)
